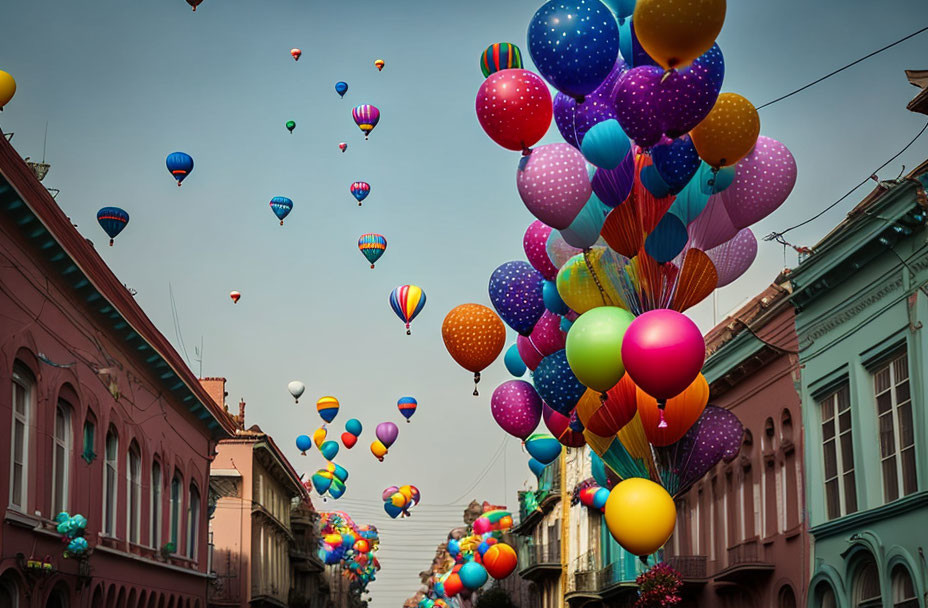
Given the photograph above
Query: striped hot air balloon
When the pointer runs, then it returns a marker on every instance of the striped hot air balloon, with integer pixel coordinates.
(372, 246)
(500, 56)
(407, 406)
(112, 220)
(407, 301)
(327, 408)
(281, 206)
(360, 190)
(366, 117)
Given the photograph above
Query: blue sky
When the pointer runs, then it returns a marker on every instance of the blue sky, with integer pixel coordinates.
(124, 84)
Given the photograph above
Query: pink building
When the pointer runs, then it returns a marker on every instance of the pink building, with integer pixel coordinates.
(101, 418)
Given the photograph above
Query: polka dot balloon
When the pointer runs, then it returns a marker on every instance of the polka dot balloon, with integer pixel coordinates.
(763, 180)
(516, 407)
(554, 184)
(514, 108)
(729, 132)
(474, 336)
(516, 292)
(732, 259)
(556, 383)
(574, 119)
(534, 242)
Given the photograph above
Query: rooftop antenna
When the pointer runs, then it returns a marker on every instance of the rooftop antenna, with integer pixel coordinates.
(198, 356)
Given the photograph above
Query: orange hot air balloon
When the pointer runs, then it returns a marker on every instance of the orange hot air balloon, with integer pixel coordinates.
(296, 54)
(728, 133)
(679, 414)
(379, 64)
(236, 296)
(604, 417)
(378, 449)
(474, 336)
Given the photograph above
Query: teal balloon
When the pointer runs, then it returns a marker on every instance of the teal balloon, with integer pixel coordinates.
(354, 427)
(341, 473)
(543, 447)
(321, 482)
(621, 8)
(713, 184)
(667, 239)
(605, 145)
(566, 324)
(653, 181)
(514, 363)
(337, 489)
(585, 229)
(536, 467)
(552, 299)
(303, 443)
(329, 449)
(690, 201)
(600, 497)
(594, 346)
(473, 575)
(599, 469)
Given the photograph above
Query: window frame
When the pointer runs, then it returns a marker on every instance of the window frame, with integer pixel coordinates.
(176, 503)
(193, 522)
(894, 415)
(25, 380)
(110, 495)
(134, 494)
(157, 498)
(88, 444)
(841, 472)
(61, 470)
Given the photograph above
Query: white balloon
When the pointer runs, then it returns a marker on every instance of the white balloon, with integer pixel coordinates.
(296, 389)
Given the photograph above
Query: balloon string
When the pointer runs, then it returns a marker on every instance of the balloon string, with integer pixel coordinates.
(589, 266)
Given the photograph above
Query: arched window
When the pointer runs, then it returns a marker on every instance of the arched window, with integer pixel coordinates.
(156, 500)
(769, 434)
(10, 594)
(867, 584)
(110, 482)
(134, 492)
(903, 588)
(177, 489)
(193, 522)
(826, 596)
(61, 458)
(90, 439)
(786, 427)
(786, 598)
(23, 409)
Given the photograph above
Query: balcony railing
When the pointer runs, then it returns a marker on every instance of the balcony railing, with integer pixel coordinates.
(586, 574)
(690, 567)
(532, 555)
(748, 552)
(548, 485)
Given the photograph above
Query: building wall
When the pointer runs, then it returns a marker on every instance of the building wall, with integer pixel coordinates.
(271, 538)
(230, 526)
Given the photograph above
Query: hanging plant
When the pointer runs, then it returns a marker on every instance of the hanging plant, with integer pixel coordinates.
(659, 587)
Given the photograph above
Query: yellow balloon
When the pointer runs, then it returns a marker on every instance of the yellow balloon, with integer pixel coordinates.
(577, 285)
(319, 436)
(378, 449)
(728, 133)
(640, 515)
(398, 500)
(675, 32)
(7, 88)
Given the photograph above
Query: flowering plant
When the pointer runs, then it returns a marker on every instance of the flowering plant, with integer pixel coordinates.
(659, 587)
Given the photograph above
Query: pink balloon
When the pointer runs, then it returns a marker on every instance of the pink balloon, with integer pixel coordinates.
(554, 184)
(527, 351)
(516, 407)
(712, 227)
(546, 336)
(389, 492)
(559, 425)
(534, 243)
(732, 259)
(663, 352)
(763, 180)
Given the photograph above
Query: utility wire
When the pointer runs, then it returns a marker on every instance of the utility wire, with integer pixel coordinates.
(841, 69)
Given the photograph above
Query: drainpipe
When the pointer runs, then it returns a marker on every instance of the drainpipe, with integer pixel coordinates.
(565, 528)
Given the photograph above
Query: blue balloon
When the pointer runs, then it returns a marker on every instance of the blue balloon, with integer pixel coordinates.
(180, 164)
(556, 383)
(552, 299)
(543, 448)
(112, 220)
(718, 181)
(482, 548)
(514, 363)
(392, 510)
(353, 426)
(281, 206)
(653, 181)
(515, 291)
(676, 162)
(632, 52)
(329, 449)
(454, 547)
(536, 467)
(303, 443)
(341, 87)
(667, 239)
(340, 473)
(690, 201)
(473, 575)
(565, 324)
(600, 498)
(584, 231)
(606, 144)
(574, 44)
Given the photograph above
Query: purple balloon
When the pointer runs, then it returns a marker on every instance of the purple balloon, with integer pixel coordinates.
(763, 180)
(516, 407)
(715, 436)
(612, 186)
(535, 244)
(554, 184)
(573, 120)
(387, 433)
(516, 293)
(712, 227)
(732, 259)
(636, 108)
(676, 161)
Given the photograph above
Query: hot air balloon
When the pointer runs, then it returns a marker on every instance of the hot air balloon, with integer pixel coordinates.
(194, 4)
(407, 301)
(236, 296)
(379, 63)
(180, 164)
(281, 206)
(343, 146)
(327, 408)
(290, 126)
(407, 406)
(296, 54)
(500, 56)
(372, 246)
(296, 388)
(360, 190)
(7, 88)
(366, 117)
(341, 87)
(112, 220)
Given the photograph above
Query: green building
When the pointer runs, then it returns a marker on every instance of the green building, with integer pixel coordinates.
(861, 300)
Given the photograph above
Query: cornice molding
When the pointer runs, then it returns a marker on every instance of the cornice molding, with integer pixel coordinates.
(834, 319)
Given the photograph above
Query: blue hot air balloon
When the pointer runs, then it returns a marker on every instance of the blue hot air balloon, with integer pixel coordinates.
(180, 165)
(341, 87)
(281, 206)
(112, 220)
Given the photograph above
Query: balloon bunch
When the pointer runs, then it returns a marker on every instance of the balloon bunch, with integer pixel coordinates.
(590, 494)
(329, 480)
(398, 500)
(386, 432)
(71, 528)
(353, 430)
(350, 545)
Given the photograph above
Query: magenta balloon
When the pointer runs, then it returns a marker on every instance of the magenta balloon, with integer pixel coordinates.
(534, 243)
(527, 351)
(663, 351)
(712, 227)
(387, 433)
(554, 184)
(389, 492)
(547, 337)
(732, 259)
(763, 180)
(516, 407)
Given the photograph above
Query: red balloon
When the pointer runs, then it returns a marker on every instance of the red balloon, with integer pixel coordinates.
(514, 108)
(559, 425)
(500, 560)
(349, 440)
(453, 585)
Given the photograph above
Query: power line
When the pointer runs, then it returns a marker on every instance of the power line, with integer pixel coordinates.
(841, 69)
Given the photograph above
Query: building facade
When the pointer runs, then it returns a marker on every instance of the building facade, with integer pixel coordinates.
(862, 303)
(102, 419)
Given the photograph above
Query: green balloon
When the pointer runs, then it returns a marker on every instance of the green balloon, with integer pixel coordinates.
(594, 346)
(291, 125)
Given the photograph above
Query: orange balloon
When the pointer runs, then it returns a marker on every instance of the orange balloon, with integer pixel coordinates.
(500, 560)
(680, 412)
(728, 133)
(606, 417)
(675, 32)
(474, 336)
(378, 449)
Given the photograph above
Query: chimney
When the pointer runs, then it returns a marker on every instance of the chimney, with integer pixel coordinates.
(216, 387)
(241, 413)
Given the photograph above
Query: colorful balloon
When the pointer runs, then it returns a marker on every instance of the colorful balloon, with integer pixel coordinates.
(329, 450)
(612, 186)
(515, 291)
(640, 515)
(303, 443)
(556, 383)
(581, 282)
(379, 64)
(387, 432)
(594, 346)
(349, 440)
(547, 337)
(327, 407)
(543, 447)
(677, 161)
(407, 301)
(372, 246)
(354, 427)
(378, 449)
(728, 133)
(574, 119)
(341, 87)
(606, 144)
(513, 361)
(553, 301)
(537, 468)
(584, 231)
(675, 32)
(319, 436)
(180, 165)
(343, 146)
(554, 184)
(663, 351)
(514, 108)
(296, 389)
(604, 417)
(474, 336)
(500, 560)
(360, 190)
(732, 259)
(534, 243)
(473, 575)
(281, 206)
(528, 353)
(235, 296)
(516, 408)
(560, 427)
(366, 117)
(763, 181)
(7, 88)
(668, 424)
(295, 53)
(407, 406)
(112, 220)
(500, 56)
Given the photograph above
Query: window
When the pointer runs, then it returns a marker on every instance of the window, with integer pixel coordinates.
(867, 585)
(786, 598)
(156, 504)
(826, 596)
(193, 522)
(176, 490)
(61, 458)
(903, 589)
(897, 437)
(110, 482)
(134, 493)
(838, 454)
(23, 398)
(90, 432)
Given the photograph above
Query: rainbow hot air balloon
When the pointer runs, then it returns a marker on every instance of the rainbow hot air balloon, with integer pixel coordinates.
(500, 56)
(281, 206)
(327, 408)
(366, 117)
(341, 87)
(407, 302)
(372, 246)
(360, 190)
(407, 406)
(180, 164)
(112, 220)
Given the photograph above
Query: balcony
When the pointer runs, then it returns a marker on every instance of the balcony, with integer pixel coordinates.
(692, 568)
(584, 585)
(538, 561)
(532, 504)
(745, 561)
